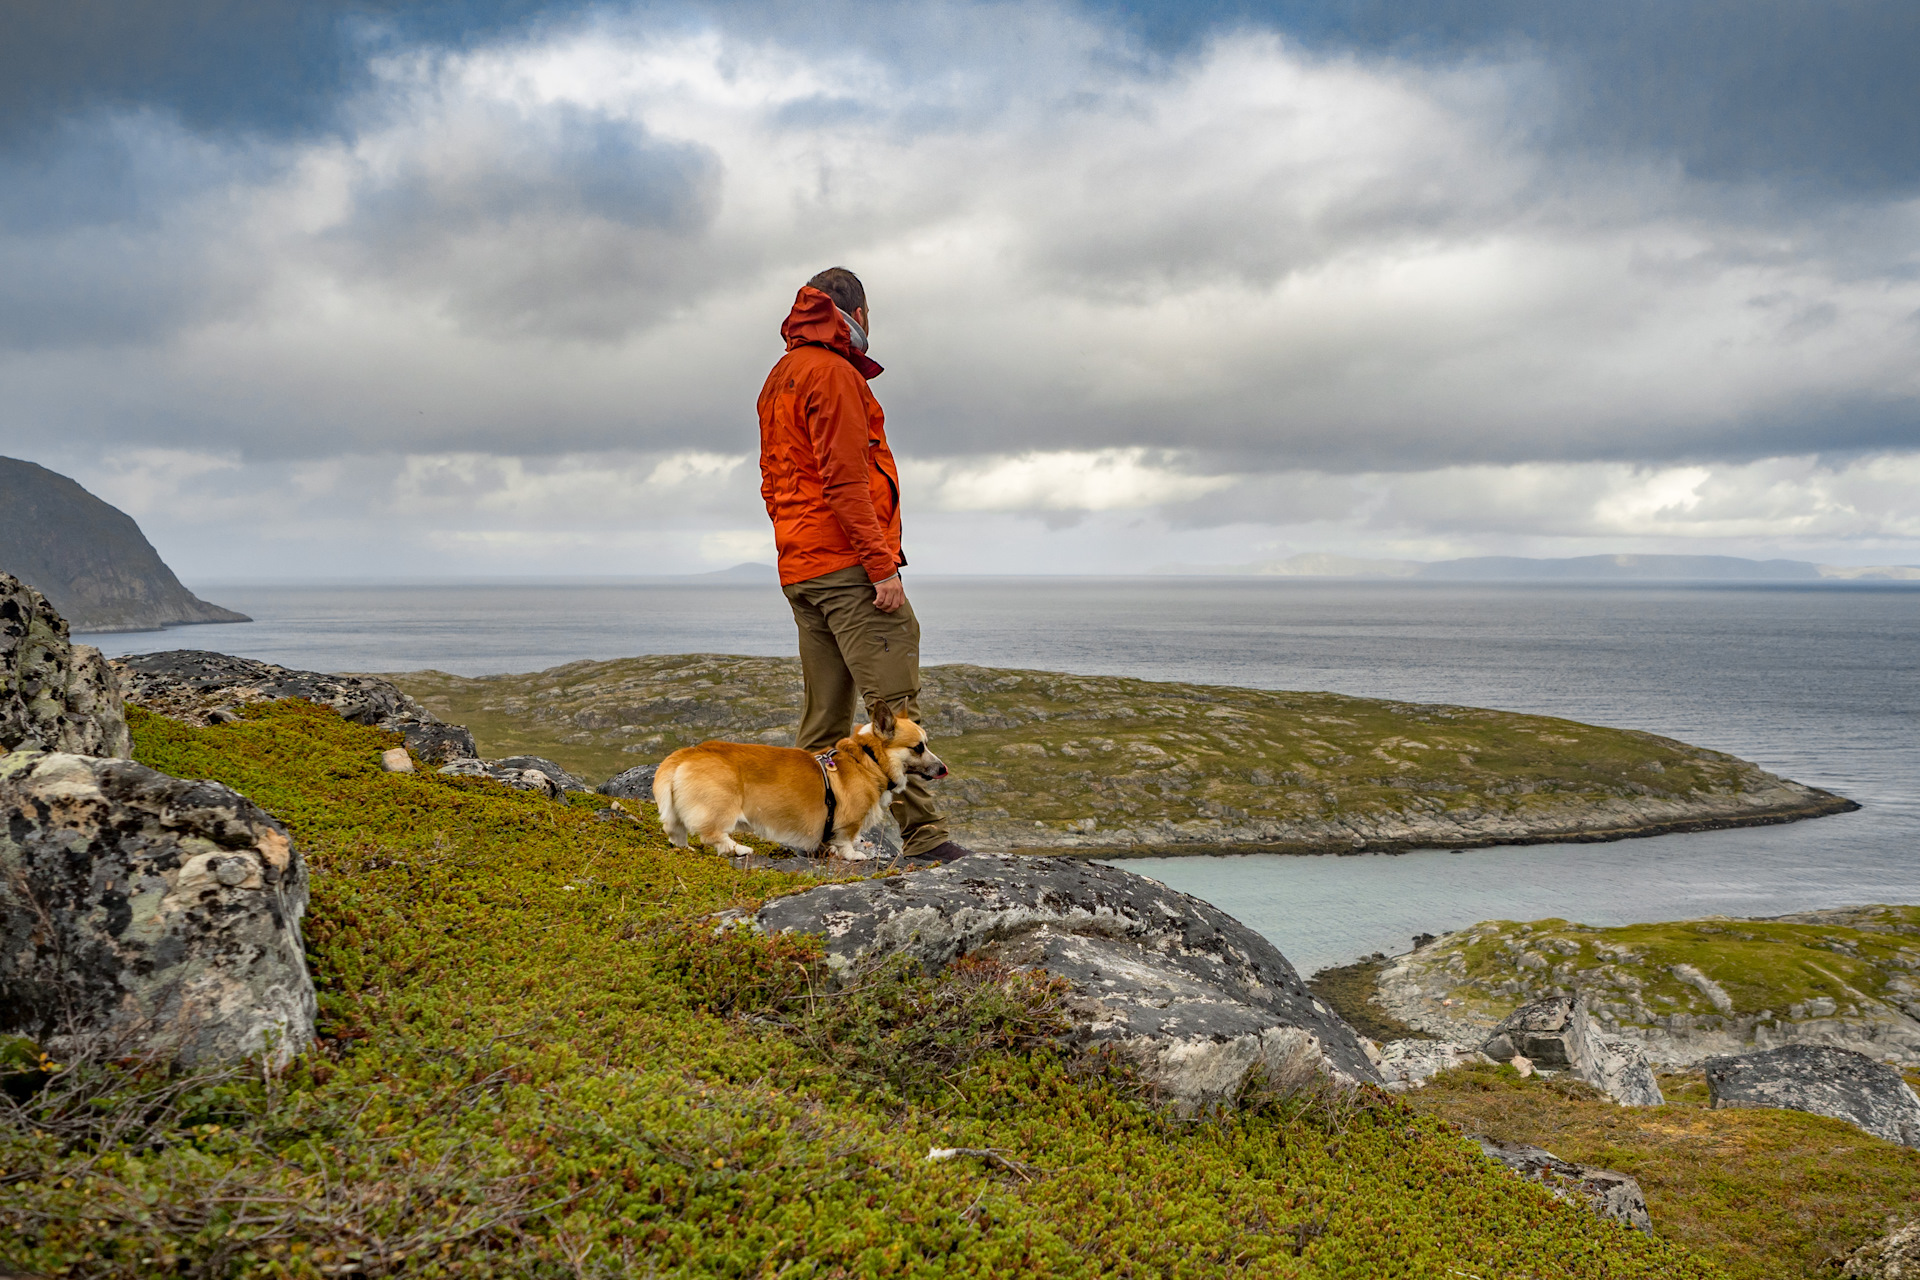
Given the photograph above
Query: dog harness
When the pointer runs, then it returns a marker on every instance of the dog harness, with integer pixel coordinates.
(828, 766)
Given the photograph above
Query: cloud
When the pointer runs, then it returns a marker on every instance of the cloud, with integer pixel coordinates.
(1059, 481)
(1413, 273)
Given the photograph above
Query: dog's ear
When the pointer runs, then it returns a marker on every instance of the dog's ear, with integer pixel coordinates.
(882, 719)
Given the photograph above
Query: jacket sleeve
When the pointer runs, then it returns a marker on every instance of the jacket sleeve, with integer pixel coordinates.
(837, 424)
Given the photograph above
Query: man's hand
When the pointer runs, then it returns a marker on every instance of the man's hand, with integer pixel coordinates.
(889, 595)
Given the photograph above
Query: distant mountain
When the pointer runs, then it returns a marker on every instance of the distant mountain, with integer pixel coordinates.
(89, 558)
(749, 571)
(1617, 568)
(1587, 568)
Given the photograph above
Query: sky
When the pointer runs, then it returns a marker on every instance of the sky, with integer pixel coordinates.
(484, 287)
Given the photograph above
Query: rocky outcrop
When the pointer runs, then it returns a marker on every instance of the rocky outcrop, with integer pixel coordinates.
(559, 776)
(54, 695)
(1607, 1193)
(1894, 1256)
(89, 558)
(1409, 1064)
(1823, 1080)
(208, 688)
(145, 914)
(1683, 991)
(1197, 999)
(633, 784)
(537, 781)
(1556, 1034)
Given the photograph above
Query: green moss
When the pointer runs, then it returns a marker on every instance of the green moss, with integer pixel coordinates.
(1766, 1194)
(540, 1058)
(1044, 759)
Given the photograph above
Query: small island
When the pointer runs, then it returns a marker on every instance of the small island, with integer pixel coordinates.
(1104, 766)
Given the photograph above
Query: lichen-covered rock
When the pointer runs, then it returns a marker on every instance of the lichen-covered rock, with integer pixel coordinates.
(1409, 1064)
(1556, 1034)
(1199, 1000)
(560, 777)
(1606, 1192)
(54, 695)
(143, 913)
(205, 688)
(1894, 1256)
(634, 784)
(1823, 1080)
(534, 780)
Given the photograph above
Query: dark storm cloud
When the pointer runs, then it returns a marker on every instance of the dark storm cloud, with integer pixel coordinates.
(563, 222)
(1394, 236)
(275, 67)
(1778, 91)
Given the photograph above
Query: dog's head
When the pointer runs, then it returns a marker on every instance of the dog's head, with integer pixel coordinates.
(901, 745)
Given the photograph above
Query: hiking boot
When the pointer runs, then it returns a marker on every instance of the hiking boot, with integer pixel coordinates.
(941, 854)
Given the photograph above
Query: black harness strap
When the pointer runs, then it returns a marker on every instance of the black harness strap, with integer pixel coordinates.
(827, 765)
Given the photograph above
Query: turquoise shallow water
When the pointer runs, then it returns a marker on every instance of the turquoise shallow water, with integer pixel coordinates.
(1816, 682)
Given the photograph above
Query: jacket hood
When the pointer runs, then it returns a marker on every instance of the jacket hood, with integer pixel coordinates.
(814, 319)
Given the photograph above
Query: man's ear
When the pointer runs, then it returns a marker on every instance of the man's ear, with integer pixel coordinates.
(883, 719)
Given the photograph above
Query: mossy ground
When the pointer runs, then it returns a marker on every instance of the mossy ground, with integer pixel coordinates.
(1853, 963)
(537, 1060)
(1766, 1194)
(1044, 759)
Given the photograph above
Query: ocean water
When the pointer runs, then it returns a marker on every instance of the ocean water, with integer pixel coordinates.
(1819, 682)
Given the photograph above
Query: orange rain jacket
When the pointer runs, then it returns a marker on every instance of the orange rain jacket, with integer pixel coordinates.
(826, 473)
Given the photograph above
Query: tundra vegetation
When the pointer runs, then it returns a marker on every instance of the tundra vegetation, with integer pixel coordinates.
(539, 1057)
(1106, 764)
(1764, 1194)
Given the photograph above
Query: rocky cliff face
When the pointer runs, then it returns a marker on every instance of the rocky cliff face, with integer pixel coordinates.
(89, 558)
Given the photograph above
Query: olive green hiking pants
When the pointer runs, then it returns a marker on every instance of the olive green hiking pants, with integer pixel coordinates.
(851, 653)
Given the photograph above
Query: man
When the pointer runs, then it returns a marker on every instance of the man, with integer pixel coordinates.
(833, 491)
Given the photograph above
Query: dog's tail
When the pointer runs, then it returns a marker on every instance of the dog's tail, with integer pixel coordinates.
(670, 819)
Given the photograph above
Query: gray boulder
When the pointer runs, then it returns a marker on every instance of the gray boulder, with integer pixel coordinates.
(54, 695)
(1556, 1034)
(1824, 1080)
(534, 780)
(143, 913)
(1409, 1064)
(1607, 1193)
(1197, 999)
(566, 781)
(634, 784)
(1894, 1256)
(204, 688)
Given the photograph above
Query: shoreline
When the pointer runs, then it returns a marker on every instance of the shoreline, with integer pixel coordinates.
(1829, 805)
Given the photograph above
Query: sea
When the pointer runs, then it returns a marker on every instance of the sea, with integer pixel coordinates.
(1819, 682)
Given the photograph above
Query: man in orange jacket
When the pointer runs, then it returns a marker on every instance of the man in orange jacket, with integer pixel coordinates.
(833, 491)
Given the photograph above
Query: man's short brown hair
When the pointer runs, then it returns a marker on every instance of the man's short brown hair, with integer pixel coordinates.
(843, 287)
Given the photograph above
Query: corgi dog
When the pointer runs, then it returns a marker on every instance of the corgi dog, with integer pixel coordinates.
(802, 800)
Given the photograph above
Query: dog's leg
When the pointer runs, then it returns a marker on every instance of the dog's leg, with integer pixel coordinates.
(670, 819)
(841, 847)
(718, 838)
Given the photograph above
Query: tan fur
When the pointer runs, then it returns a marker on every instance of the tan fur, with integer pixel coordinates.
(713, 789)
